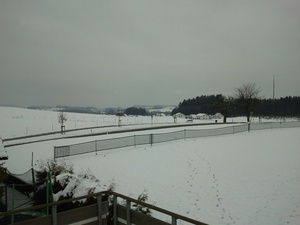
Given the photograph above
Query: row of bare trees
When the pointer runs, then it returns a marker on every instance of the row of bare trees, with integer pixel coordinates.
(244, 101)
(246, 97)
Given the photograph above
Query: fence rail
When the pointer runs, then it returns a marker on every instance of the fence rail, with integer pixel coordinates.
(101, 213)
(114, 143)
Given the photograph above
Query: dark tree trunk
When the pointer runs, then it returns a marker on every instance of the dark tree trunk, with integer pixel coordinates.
(224, 117)
(248, 116)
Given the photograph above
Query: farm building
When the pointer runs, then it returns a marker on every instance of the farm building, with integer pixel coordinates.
(217, 116)
(202, 116)
(179, 115)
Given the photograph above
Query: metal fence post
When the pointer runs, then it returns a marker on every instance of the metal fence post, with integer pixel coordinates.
(50, 187)
(128, 217)
(174, 221)
(33, 183)
(96, 146)
(47, 195)
(151, 139)
(134, 141)
(115, 206)
(54, 215)
(99, 202)
(5, 181)
(55, 153)
(13, 204)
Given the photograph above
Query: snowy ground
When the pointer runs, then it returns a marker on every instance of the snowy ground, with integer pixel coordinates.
(246, 178)
(15, 122)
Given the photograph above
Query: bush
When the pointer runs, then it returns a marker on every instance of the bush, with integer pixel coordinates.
(142, 209)
(66, 184)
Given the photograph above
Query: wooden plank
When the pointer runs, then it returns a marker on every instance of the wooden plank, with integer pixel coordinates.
(164, 211)
(138, 218)
(79, 214)
(73, 216)
(88, 222)
(46, 220)
(104, 222)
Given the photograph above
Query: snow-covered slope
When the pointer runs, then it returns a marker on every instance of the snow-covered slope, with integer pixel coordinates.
(246, 178)
(249, 178)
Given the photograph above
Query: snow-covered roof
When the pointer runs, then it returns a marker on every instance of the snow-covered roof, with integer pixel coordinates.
(201, 114)
(179, 114)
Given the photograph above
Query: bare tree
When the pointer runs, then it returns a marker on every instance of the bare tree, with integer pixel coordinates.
(247, 97)
(62, 118)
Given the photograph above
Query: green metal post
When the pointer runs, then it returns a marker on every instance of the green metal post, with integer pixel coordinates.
(6, 202)
(50, 188)
(33, 184)
(47, 196)
(13, 205)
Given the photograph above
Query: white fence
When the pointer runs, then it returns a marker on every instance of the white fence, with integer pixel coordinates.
(101, 145)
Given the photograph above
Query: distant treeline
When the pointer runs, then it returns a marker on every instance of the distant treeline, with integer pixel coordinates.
(75, 109)
(288, 106)
(283, 107)
(135, 111)
(202, 104)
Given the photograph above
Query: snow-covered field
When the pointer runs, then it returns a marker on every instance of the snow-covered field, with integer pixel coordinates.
(16, 122)
(245, 178)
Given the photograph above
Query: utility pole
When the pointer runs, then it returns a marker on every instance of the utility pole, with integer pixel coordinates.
(273, 87)
(119, 114)
(273, 107)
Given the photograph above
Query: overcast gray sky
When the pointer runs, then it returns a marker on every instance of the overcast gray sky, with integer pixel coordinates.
(107, 53)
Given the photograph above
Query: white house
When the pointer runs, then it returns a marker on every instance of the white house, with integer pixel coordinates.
(218, 116)
(202, 116)
(179, 115)
(191, 117)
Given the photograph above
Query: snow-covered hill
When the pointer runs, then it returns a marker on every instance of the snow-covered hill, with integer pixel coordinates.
(246, 178)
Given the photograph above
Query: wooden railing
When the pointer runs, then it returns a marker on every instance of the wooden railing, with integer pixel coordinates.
(100, 213)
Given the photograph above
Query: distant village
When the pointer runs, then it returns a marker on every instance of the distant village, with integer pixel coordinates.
(199, 116)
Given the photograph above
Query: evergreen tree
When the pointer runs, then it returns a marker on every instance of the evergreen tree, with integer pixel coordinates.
(223, 105)
(136, 111)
